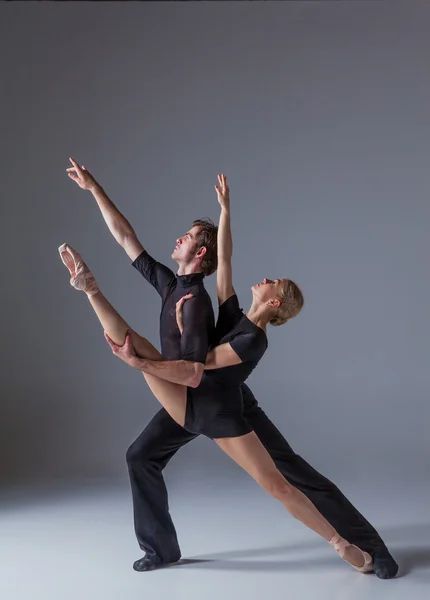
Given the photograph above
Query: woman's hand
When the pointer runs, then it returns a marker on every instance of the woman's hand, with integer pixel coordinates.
(223, 191)
(179, 305)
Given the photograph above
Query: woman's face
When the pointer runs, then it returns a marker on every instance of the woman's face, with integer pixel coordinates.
(268, 289)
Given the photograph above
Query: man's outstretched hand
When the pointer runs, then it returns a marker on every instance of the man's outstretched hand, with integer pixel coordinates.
(125, 352)
(81, 176)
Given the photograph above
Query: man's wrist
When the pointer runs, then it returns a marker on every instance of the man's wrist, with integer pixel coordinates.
(95, 188)
(142, 364)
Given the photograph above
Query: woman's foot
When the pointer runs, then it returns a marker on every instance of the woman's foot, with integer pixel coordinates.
(81, 277)
(362, 561)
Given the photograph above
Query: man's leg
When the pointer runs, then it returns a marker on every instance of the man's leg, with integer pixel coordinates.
(328, 499)
(146, 459)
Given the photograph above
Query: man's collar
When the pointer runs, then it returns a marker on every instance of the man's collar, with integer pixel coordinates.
(190, 279)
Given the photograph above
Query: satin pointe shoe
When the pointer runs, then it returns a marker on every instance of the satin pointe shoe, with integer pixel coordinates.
(340, 545)
(81, 277)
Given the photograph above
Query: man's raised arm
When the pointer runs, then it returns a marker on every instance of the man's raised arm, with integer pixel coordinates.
(157, 274)
(118, 225)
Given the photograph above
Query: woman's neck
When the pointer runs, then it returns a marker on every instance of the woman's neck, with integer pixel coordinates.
(257, 315)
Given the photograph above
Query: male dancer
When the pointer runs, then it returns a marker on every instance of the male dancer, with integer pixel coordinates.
(195, 254)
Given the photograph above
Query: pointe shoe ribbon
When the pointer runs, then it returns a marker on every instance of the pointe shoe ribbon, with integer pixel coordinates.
(81, 277)
(340, 545)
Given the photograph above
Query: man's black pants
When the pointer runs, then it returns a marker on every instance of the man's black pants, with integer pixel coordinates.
(162, 438)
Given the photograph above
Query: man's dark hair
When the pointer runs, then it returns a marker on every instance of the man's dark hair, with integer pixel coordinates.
(207, 237)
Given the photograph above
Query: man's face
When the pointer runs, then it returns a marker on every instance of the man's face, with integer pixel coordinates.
(185, 248)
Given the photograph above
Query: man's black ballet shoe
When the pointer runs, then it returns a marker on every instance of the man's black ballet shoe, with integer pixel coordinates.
(148, 563)
(384, 565)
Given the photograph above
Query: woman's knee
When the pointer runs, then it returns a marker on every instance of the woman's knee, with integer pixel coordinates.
(278, 487)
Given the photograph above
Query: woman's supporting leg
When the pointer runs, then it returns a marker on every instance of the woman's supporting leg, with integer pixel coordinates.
(249, 453)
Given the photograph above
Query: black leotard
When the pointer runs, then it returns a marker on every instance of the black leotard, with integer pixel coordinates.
(214, 408)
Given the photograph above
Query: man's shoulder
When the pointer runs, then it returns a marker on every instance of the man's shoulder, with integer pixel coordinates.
(199, 290)
(204, 297)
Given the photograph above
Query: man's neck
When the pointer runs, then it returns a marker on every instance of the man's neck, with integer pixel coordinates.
(188, 269)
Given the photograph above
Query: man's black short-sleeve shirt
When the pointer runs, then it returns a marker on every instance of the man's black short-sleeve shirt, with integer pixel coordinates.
(198, 316)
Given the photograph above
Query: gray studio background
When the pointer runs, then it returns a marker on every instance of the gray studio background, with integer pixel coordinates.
(319, 114)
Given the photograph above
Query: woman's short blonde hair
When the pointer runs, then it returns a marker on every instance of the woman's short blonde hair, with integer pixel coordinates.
(292, 302)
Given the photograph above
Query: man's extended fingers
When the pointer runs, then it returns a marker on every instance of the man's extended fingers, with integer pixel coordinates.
(83, 168)
(75, 164)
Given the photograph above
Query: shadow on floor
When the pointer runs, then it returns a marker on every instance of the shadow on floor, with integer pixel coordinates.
(267, 566)
(408, 544)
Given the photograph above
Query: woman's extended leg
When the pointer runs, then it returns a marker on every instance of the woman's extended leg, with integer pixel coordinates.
(249, 453)
(171, 395)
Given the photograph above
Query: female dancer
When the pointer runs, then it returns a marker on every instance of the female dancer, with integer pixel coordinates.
(214, 408)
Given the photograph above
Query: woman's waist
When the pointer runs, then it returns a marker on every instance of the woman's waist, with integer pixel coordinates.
(220, 379)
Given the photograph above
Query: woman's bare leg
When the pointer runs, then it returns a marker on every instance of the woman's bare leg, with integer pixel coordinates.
(249, 453)
(172, 396)
(116, 328)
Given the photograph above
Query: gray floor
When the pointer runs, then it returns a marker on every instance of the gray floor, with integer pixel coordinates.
(237, 543)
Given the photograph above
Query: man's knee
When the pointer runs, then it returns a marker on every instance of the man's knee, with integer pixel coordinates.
(140, 452)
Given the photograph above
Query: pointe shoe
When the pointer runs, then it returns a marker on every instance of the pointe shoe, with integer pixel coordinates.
(81, 277)
(340, 545)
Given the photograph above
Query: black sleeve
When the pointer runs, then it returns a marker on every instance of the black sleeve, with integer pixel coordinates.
(229, 314)
(154, 272)
(195, 336)
(249, 345)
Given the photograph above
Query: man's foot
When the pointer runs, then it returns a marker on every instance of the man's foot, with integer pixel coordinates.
(384, 565)
(150, 563)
